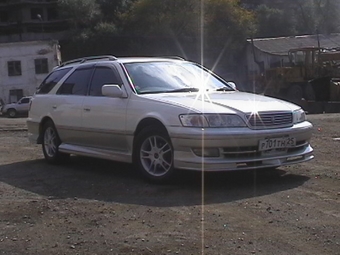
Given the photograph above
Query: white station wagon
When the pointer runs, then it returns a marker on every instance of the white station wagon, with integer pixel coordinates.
(163, 114)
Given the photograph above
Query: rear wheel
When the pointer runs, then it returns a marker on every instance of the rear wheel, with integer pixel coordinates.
(12, 113)
(154, 155)
(308, 92)
(50, 144)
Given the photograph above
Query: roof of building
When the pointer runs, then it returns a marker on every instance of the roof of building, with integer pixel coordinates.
(281, 45)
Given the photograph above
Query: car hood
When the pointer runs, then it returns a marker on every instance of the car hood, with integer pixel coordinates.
(224, 102)
(6, 106)
(9, 105)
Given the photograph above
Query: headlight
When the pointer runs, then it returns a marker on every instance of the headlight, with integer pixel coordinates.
(211, 120)
(299, 116)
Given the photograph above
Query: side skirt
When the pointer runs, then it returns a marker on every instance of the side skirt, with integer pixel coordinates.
(96, 153)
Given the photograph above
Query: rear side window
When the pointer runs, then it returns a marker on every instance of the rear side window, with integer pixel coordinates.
(25, 101)
(51, 80)
(76, 83)
(102, 76)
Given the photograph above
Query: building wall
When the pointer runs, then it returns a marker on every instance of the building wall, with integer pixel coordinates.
(26, 53)
(269, 60)
(39, 17)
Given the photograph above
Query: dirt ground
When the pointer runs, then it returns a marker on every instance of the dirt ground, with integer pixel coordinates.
(92, 206)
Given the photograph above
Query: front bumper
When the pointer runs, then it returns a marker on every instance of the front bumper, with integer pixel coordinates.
(239, 148)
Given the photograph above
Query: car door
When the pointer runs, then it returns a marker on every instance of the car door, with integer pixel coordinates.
(104, 117)
(67, 107)
(23, 105)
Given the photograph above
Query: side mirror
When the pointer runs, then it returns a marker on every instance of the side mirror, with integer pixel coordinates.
(112, 90)
(232, 84)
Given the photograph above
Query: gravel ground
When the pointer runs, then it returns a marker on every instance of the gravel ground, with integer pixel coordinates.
(91, 206)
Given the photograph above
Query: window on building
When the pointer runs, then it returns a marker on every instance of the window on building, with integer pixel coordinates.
(41, 65)
(52, 14)
(3, 16)
(36, 13)
(14, 68)
(15, 95)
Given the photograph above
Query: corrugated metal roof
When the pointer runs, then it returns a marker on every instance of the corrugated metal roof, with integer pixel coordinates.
(281, 45)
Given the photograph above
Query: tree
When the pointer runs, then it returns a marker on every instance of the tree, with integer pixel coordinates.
(272, 22)
(226, 21)
(80, 13)
(317, 16)
(162, 18)
(223, 19)
(112, 9)
(290, 17)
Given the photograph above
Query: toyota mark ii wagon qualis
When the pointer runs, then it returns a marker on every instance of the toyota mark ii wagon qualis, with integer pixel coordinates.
(163, 114)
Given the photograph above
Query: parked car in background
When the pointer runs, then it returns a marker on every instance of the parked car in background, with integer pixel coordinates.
(14, 109)
(163, 114)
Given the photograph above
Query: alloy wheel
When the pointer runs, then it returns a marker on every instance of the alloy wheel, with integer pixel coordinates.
(156, 156)
(50, 142)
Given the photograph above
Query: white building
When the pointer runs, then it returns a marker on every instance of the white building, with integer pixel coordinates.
(23, 66)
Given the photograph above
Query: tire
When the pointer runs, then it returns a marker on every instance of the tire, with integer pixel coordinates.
(153, 155)
(308, 92)
(295, 93)
(11, 113)
(50, 144)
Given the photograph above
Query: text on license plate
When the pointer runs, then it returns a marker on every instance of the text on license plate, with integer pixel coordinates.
(276, 143)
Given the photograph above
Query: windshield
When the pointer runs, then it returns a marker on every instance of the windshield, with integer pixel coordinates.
(170, 77)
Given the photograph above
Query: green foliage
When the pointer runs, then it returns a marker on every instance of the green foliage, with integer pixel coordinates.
(192, 28)
(162, 18)
(317, 15)
(87, 20)
(80, 12)
(291, 17)
(226, 21)
(111, 10)
(105, 29)
(274, 22)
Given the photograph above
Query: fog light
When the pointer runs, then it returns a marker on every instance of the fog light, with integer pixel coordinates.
(206, 152)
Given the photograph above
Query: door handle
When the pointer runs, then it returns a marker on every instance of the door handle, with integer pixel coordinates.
(87, 109)
(54, 107)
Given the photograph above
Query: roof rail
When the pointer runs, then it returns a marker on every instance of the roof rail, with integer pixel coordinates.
(174, 57)
(84, 59)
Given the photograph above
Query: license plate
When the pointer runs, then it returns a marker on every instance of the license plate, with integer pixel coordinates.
(276, 143)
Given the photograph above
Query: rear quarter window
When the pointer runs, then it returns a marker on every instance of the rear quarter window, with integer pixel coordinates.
(77, 82)
(51, 80)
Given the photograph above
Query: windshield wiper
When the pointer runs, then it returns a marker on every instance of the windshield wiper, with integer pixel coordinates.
(191, 89)
(224, 89)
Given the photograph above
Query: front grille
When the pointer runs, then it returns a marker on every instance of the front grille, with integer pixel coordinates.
(278, 119)
(241, 152)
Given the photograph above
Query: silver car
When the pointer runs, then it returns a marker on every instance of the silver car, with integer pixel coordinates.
(19, 108)
(163, 114)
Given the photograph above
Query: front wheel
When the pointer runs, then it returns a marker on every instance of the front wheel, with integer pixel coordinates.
(50, 144)
(154, 155)
(12, 113)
